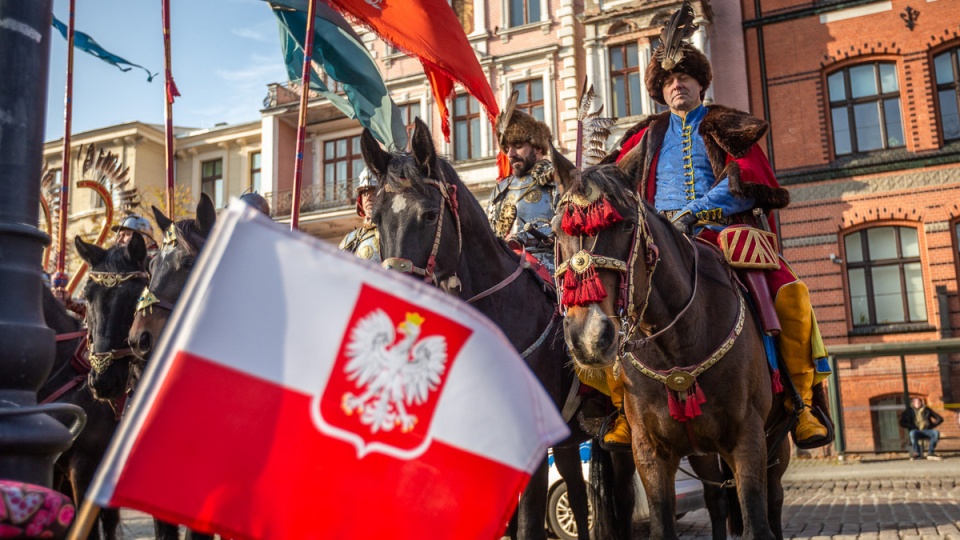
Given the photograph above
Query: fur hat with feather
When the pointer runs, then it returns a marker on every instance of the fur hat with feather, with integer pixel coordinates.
(675, 55)
(518, 127)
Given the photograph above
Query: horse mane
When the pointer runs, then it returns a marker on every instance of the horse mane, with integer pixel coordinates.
(116, 261)
(611, 181)
(188, 235)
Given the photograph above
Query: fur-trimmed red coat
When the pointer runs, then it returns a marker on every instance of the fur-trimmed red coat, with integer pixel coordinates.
(731, 138)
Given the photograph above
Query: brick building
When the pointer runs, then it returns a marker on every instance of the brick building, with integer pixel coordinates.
(862, 97)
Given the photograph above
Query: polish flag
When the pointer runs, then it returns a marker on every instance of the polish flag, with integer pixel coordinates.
(300, 392)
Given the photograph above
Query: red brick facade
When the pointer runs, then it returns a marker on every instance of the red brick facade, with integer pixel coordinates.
(913, 183)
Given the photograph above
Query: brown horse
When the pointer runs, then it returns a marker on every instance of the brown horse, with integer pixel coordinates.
(431, 226)
(667, 311)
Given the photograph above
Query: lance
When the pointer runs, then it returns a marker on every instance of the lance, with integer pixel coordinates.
(60, 277)
(170, 92)
(302, 121)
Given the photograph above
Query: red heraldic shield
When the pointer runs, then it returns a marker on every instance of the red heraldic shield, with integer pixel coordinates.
(388, 376)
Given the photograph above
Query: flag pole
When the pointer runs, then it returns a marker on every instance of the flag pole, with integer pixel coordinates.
(302, 121)
(86, 518)
(169, 93)
(60, 277)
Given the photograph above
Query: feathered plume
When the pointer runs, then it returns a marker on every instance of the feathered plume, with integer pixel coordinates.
(506, 113)
(105, 168)
(592, 130)
(680, 28)
(50, 191)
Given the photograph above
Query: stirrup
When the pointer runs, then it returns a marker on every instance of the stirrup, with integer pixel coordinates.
(605, 428)
(815, 442)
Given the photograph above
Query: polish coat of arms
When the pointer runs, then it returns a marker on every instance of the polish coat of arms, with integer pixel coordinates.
(388, 376)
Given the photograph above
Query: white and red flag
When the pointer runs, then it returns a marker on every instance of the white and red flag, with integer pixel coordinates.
(303, 393)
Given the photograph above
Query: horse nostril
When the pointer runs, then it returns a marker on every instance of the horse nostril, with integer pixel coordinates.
(144, 343)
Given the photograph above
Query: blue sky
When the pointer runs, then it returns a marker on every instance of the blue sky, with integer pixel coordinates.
(225, 52)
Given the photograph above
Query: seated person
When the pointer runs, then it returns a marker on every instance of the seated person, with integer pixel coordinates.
(920, 421)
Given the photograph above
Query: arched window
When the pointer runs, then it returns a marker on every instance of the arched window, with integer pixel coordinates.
(948, 92)
(884, 276)
(865, 108)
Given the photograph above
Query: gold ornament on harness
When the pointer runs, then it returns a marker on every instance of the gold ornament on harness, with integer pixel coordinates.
(170, 236)
(112, 279)
(589, 196)
(146, 301)
(679, 381)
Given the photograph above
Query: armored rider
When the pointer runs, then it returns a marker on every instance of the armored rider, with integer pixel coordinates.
(701, 167)
(135, 224)
(522, 204)
(255, 200)
(364, 242)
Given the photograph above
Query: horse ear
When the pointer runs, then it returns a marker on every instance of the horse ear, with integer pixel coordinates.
(91, 253)
(162, 220)
(376, 158)
(206, 215)
(137, 250)
(563, 167)
(423, 149)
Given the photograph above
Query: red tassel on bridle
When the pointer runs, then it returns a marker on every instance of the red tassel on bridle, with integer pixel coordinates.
(582, 289)
(589, 219)
(685, 405)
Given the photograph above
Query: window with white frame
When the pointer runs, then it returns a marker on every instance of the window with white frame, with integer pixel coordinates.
(255, 171)
(884, 276)
(530, 97)
(625, 79)
(523, 12)
(466, 127)
(865, 108)
(342, 163)
(211, 180)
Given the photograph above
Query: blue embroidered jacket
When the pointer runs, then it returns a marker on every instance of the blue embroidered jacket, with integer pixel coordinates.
(685, 179)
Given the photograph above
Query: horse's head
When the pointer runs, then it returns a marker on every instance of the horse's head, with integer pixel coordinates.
(116, 278)
(182, 242)
(417, 209)
(600, 229)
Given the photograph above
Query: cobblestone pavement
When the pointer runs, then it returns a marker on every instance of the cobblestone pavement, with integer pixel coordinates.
(883, 499)
(891, 499)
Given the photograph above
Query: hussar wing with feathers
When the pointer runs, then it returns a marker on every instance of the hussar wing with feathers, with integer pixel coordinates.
(50, 191)
(367, 349)
(105, 168)
(596, 129)
(428, 359)
(678, 29)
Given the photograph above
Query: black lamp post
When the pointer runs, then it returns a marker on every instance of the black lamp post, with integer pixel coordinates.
(30, 440)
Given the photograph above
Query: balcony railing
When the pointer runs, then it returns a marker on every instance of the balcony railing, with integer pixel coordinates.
(315, 198)
(289, 92)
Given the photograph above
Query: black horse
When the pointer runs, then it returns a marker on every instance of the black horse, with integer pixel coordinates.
(75, 468)
(117, 277)
(170, 269)
(430, 225)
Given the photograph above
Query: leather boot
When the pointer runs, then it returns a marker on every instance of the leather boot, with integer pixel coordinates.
(619, 434)
(796, 321)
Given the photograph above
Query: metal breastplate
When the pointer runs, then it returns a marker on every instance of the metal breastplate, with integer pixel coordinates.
(364, 243)
(517, 202)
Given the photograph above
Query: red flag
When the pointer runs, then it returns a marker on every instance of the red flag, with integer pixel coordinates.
(430, 31)
(345, 401)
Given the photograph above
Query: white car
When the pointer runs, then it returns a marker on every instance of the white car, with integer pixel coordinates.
(560, 517)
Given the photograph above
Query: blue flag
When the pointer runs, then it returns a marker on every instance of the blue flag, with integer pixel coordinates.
(89, 45)
(341, 54)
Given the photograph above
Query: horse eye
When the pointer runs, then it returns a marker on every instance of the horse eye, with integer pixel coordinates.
(430, 216)
(628, 226)
(188, 262)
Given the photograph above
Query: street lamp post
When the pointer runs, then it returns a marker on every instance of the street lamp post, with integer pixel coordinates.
(30, 440)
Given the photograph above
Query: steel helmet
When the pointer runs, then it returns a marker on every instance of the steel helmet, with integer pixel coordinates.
(135, 223)
(257, 201)
(365, 181)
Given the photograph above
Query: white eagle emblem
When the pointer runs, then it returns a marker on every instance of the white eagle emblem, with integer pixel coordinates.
(391, 376)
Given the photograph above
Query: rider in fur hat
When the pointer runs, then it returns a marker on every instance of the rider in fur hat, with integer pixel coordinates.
(701, 167)
(364, 241)
(522, 204)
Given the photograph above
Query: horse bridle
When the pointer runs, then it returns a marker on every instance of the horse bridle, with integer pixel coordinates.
(100, 361)
(450, 284)
(148, 299)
